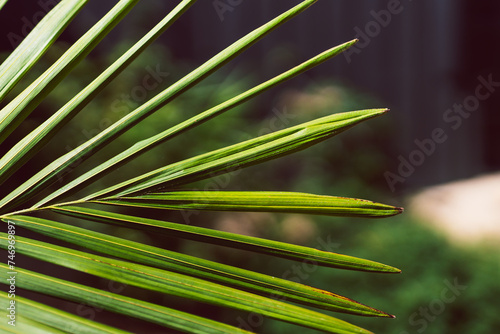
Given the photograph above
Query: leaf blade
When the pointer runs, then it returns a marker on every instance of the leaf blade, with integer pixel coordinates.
(55, 318)
(260, 201)
(20, 107)
(2, 3)
(175, 284)
(30, 144)
(223, 274)
(36, 43)
(237, 156)
(259, 245)
(117, 303)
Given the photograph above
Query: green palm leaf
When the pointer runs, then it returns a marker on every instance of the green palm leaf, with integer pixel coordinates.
(33, 142)
(247, 153)
(190, 265)
(29, 206)
(58, 167)
(259, 245)
(24, 325)
(20, 107)
(36, 43)
(163, 281)
(2, 3)
(116, 303)
(35, 314)
(264, 201)
(147, 144)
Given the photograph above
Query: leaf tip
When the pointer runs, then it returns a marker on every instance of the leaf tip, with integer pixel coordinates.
(391, 270)
(383, 314)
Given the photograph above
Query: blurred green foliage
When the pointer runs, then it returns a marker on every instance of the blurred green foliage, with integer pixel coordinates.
(351, 164)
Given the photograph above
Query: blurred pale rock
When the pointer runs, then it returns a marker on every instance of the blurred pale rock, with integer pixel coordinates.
(246, 223)
(468, 211)
(298, 229)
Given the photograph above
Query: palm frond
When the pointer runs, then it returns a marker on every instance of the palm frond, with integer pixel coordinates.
(27, 205)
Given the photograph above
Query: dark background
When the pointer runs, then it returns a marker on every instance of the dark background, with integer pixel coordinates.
(426, 58)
